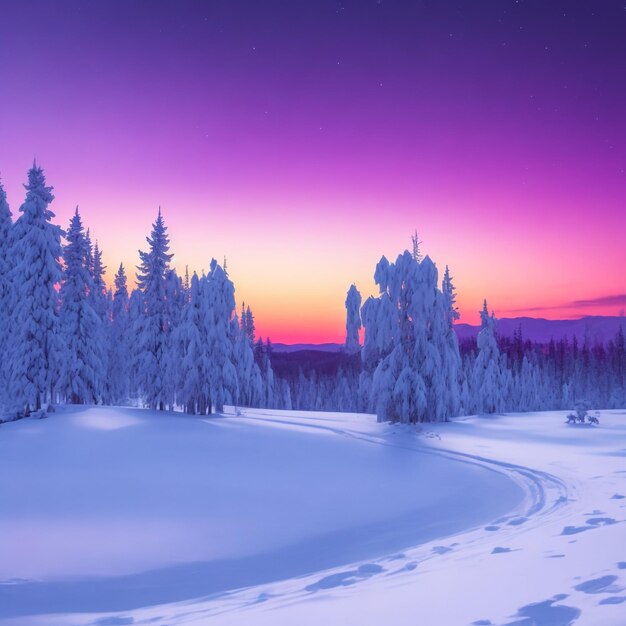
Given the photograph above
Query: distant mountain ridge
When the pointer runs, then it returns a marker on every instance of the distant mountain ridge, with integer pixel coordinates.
(298, 347)
(597, 328)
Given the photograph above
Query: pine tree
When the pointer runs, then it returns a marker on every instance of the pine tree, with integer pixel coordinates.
(488, 375)
(449, 298)
(82, 375)
(154, 323)
(251, 392)
(120, 342)
(249, 326)
(353, 320)
(99, 289)
(6, 226)
(189, 354)
(410, 355)
(186, 283)
(217, 312)
(35, 347)
(135, 322)
(89, 255)
(176, 301)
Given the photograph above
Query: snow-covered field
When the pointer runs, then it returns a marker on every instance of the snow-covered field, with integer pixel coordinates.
(123, 516)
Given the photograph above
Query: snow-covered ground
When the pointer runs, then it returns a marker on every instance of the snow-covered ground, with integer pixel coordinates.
(123, 516)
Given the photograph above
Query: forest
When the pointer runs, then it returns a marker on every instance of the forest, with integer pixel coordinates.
(182, 343)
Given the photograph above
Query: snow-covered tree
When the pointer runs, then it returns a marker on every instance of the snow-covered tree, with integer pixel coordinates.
(251, 388)
(262, 360)
(247, 325)
(35, 348)
(99, 290)
(409, 345)
(488, 375)
(120, 341)
(154, 324)
(353, 320)
(218, 309)
(82, 372)
(189, 362)
(135, 322)
(89, 259)
(6, 225)
(449, 298)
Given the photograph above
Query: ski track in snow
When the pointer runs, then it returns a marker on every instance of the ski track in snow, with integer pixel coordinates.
(565, 543)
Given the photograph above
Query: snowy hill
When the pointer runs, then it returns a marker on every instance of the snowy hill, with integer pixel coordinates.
(122, 516)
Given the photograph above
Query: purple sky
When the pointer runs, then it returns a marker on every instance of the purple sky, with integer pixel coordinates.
(304, 139)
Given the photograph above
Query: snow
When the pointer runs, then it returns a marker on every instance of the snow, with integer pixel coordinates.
(278, 517)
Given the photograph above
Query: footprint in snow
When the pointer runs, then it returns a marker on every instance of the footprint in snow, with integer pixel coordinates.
(601, 521)
(343, 579)
(592, 522)
(441, 549)
(621, 565)
(613, 600)
(500, 550)
(604, 584)
(492, 528)
(547, 613)
(617, 496)
(518, 521)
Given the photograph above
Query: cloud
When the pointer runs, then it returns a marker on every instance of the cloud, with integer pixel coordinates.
(609, 300)
(619, 300)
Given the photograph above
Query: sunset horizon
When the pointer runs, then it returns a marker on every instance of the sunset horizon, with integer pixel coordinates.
(328, 325)
(493, 133)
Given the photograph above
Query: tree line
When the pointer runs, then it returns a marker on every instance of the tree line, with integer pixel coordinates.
(412, 367)
(178, 342)
(173, 342)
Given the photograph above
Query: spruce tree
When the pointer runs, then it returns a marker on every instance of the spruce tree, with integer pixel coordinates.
(120, 339)
(488, 380)
(99, 290)
(135, 322)
(218, 308)
(188, 353)
(249, 326)
(353, 320)
(449, 297)
(154, 323)
(35, 346)
(82, 375)
(6, 226)
(89, 258)
(409, 348)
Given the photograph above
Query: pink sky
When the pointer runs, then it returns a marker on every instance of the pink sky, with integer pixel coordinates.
(303, 164)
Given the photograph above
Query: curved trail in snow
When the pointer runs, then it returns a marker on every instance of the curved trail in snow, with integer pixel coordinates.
(561, 557)
(545, 492)
(403, 496)
(536, 552)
